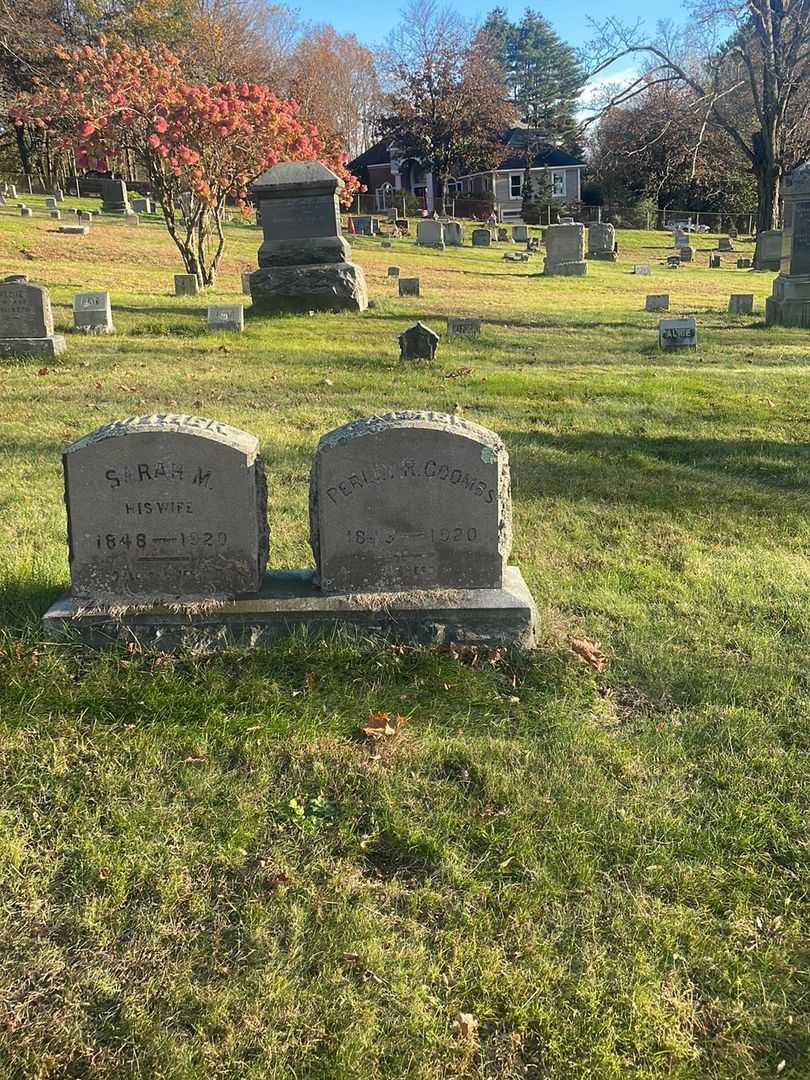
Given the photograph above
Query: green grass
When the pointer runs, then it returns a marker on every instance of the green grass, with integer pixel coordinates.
(205, 872)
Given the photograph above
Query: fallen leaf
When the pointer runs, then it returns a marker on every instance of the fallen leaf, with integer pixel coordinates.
(589, 651)
(351, 958)
(44, 371)
(381, 726)
(465, 1025)
(310, 679)
(458, 373)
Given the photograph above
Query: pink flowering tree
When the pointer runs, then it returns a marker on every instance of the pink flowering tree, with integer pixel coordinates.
(199, 145)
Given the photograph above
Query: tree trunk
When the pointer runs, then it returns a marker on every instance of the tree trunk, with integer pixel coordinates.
(441, 193)
(768, 174)
(22, 149)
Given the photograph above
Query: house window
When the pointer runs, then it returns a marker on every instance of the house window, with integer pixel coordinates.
(515, 185)
(558, 185)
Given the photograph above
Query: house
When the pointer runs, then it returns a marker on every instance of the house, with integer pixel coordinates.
(384, 170)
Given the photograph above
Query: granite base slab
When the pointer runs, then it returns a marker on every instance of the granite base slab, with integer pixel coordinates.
(290, 600)
(45, 346)
(276, 290)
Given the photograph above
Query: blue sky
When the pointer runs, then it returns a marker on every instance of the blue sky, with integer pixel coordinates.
(371, 20)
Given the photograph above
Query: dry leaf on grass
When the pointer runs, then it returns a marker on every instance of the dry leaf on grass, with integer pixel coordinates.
(465, 1025)
(381, 726)
(589, 651)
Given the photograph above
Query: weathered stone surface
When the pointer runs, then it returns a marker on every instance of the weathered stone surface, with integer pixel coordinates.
(143, 206)
(743, 264)
(725, 244)
(74, 230)
(481, 238)
(430, 233)
(48, 346)
(50, 203)
(454, 234)
(789, 305)
(768, 252)
(687, 253)
(186, 285)
(26, 211)
(365, 225)
(602, 241)
(418, 342)
(565, 251)
(393, 271)
(642, 269)
(56, 215)
(92, 312)
(741, 304)
(715, 262)
(409, 286)
(325, 287)
(657, 302)
(677, 333)
(680, 238)
(410, 500)
(458, 327)
(114, 198)
(246, 283)
(165, 507)
(673, 262)
(291, 601)
(520, 233)
(503, 235)
(226, 317)
(86, 217)
(25, 310)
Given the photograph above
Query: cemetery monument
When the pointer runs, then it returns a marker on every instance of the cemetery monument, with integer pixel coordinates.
(26, 321)
(789, 304)
(565, 251)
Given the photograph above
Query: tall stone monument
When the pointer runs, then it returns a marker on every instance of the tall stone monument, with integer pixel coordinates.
(304, 262)
(26, 321)
(602, 241)
(114, 198)
(768, 252)
(565, 251)
(789, 305)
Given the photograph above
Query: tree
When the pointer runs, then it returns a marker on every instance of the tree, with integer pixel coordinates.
(335, 82)
(448, 105)
(537, 196)
(206, 140)
(542, 72)
(754, 85)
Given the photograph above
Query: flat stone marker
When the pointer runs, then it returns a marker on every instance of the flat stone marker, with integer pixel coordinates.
(458, 327)
(409, 286)
(185, 285)
(26, 321)
(165, 507)
(481, 238)
(385, 243)
(741, 304)
(657, 302)
(565, 251)
(642, 268)
(454, 234)
(418, 342)
(430, 233)
(715, 262)
(520, 233)
(246, 283)
(410, 501)
(226, 317)
(92, 313)
(74, 230)
(131, 219)
(393, 271)
(673, 262)
(677, 333)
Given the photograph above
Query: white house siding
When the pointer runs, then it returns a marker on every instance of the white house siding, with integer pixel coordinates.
(507, 203)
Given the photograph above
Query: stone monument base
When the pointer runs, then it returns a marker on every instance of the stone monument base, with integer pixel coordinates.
(565, 269)
(323, 287)
(605, 256)
(45, 346)
(790, 303)
(290, 600)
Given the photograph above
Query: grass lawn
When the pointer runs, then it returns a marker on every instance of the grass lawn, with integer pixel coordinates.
(205, 870)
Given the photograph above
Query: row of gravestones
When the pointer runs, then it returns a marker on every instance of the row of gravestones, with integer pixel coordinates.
(172, 509)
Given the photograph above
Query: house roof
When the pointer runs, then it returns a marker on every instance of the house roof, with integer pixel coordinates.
(547, 156)
(513, 138)
(378, 154)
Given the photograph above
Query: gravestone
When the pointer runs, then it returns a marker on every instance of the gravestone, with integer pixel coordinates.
(789, 304)
(503, 235)
(86, 216)
(520, 233)
(246, 283)
(59, 195)
(715, 263)
(131, 219)
(2, 200)
(768, 252)
(50, 203)
(391, 215)
(142, 206)
(165, 507)
(226, 317)
(741, 304)
(393, 271)
(481, 238)
(186, 285)
(457, 327)
(418, 342)
(429, 233)
(365, 226)
(565, 251)
(657, 302)
(743, 264)
(74, 230)
(56, 215)
(642, 269)
(304, 262)
(26, 211)
(386, 244)
(12, 191)
(26, 321)
(681, 238)
(687, 253)
(409, 286)
(410, 501)
(602, 241)
(725, 244)
(677, 333)
(454, 234)
(403, 225)
(92, 313)
(673, 262)
(114, 198)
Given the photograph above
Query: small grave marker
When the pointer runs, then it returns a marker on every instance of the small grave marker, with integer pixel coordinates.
(226, 317)
(481, 238)
(418, 342)
(642, 269)
(741, 304)
(409, 286)
(393, 271)
(92, 313)
(677, 333)
(657, 302)
(186, 285)
(74, 230)
(458, 327)
(26, 320)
